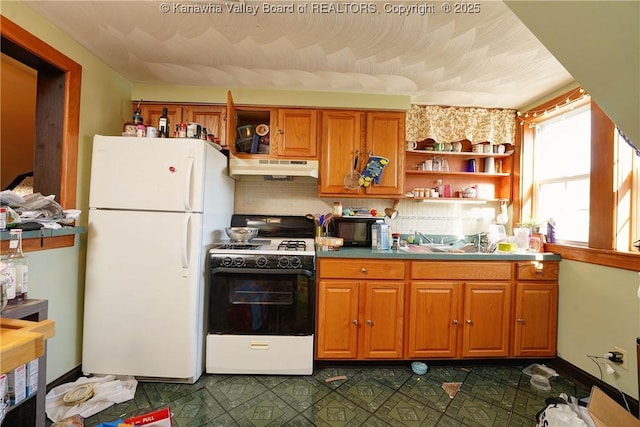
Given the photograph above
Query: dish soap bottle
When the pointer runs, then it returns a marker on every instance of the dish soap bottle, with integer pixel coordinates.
(16, 275)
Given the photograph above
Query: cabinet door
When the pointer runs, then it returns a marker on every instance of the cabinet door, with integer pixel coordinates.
(486, 319)
(337, 317)
(231, 123)
(382, 320)
(536, 318)
(297, 133)
(151, 115)
(208, 116)
(385, 137)
(341, 138)
(434, 319)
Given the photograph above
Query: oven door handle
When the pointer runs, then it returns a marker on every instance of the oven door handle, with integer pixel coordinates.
(300, 271)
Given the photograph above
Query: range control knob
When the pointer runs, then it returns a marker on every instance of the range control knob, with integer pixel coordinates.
(238, 261)
(227, 261)
(283, 262)
(262, 261)
(295, 262)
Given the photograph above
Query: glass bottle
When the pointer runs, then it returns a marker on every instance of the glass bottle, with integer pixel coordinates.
(163, 124)
(17, 271)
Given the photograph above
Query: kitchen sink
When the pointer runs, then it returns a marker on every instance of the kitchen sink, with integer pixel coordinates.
(467, 248)
(425, 249)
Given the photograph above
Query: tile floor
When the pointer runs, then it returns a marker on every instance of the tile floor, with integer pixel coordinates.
(370, 396)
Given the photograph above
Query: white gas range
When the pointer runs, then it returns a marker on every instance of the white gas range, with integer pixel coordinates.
(261, 299)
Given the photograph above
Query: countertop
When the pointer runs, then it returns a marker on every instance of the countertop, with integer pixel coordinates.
(45, 232)
(397, 254)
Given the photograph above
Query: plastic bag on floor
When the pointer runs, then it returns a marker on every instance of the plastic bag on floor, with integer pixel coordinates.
(107, 391)
(564, 411)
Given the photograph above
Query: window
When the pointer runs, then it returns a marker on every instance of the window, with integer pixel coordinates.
(576, 168)
(562, 163)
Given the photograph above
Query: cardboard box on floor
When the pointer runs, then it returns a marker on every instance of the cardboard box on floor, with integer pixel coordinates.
(607, 413)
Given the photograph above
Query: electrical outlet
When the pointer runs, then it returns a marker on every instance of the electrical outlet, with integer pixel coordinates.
(625, 357)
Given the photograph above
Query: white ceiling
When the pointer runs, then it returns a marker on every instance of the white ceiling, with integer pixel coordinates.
(485, 59)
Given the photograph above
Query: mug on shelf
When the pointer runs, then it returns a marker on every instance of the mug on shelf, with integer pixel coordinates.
(457, 146)
(472, 166)
(412, 145)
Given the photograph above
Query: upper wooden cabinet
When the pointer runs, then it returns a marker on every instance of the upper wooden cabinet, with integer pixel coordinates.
(296, 133)
(340, 142)
(211, 117)
(386, 137)
(292, 131)
(374, 133)
(151, 113)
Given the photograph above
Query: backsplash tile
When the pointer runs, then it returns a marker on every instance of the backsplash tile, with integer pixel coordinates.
(254, 195)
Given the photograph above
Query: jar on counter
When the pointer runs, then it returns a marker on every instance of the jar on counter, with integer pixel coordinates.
(182, 131)
(337, 209)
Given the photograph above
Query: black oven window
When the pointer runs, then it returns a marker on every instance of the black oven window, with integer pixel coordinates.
(250, 303)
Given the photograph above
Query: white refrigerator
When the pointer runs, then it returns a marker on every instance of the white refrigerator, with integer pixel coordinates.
(155, 207)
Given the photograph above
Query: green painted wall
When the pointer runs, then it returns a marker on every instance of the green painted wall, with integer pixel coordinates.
(251, 96)
(598, 309)
(58, 274)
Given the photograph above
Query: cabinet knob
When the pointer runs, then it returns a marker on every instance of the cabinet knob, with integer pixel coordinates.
(521, 321)
(369, 322)
(363, 270)
(469, 322)
(539, 271)
(355, 322)
(454, 321)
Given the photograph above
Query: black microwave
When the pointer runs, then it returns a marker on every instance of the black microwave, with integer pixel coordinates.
(354, 230)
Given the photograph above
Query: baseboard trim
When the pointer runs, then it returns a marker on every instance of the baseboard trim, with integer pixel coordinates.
(577, 375)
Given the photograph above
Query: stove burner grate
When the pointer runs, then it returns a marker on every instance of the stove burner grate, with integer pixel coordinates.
(292, 245)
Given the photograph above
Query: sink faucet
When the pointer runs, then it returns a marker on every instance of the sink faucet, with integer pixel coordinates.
(423, 238)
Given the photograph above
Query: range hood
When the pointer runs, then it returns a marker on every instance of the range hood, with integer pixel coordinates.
(272, 167)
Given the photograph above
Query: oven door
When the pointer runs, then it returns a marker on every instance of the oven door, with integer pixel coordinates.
(261, 301)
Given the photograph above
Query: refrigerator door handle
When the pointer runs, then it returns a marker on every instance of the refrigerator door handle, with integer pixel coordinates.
(184, 253)
(187, 186)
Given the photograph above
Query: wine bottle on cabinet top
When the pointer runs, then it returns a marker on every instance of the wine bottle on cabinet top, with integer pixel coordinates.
(163, 124)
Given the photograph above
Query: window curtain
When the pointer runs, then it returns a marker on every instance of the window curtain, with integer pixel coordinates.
(449, 124)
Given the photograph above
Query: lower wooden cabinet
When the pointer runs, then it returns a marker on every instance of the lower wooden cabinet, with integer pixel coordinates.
(457, 319)
(452, 309)
(360, 320)
(433, 324)
(487, 310)
(536, 309)
(360, 311)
